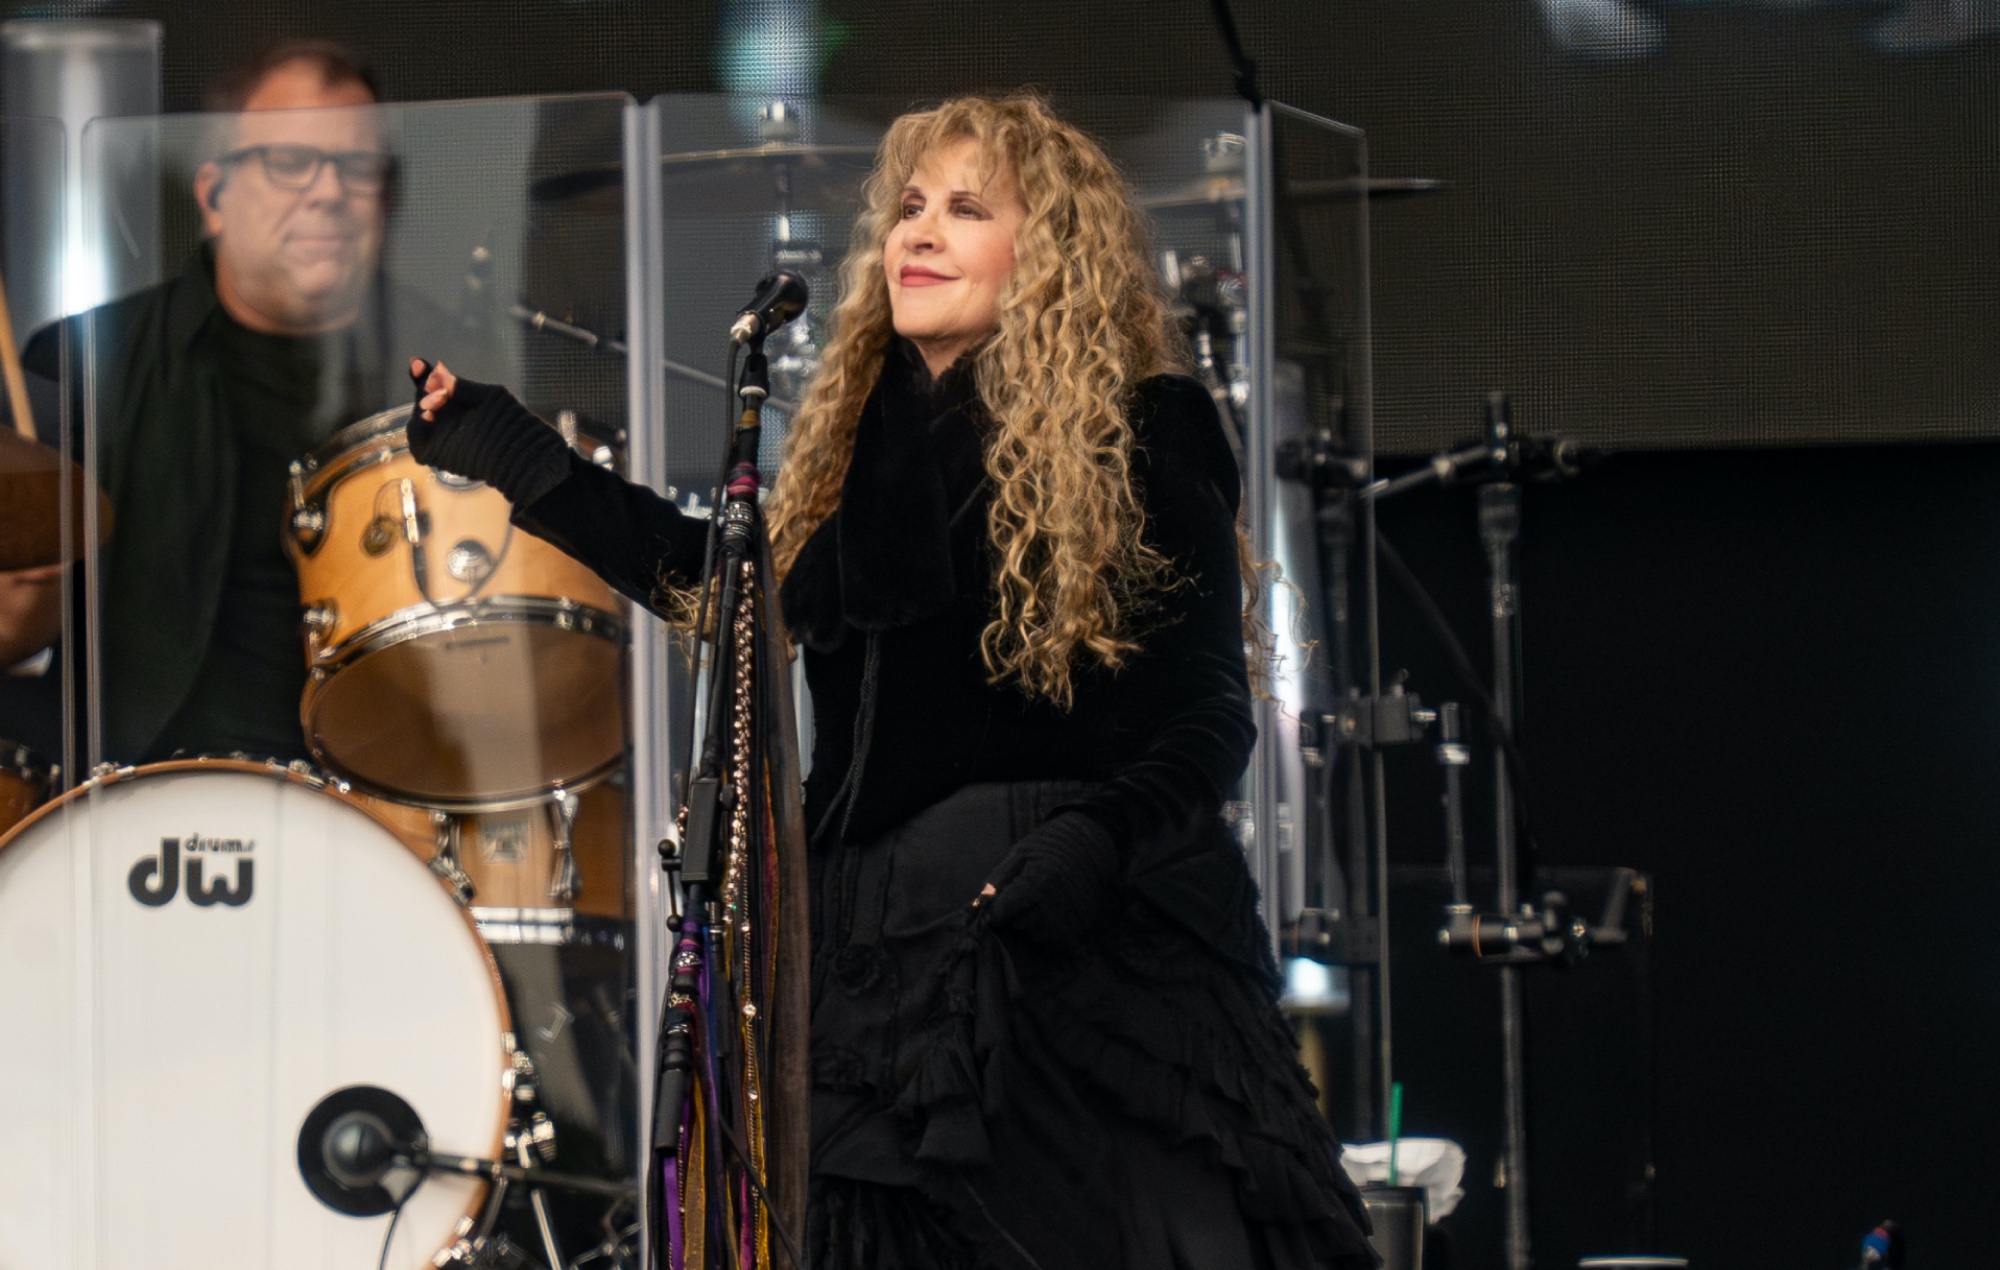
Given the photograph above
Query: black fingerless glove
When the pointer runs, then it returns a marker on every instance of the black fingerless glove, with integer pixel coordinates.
(1052, 885)
(485, 433)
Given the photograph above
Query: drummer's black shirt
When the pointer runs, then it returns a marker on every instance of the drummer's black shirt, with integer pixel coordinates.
(283, 396)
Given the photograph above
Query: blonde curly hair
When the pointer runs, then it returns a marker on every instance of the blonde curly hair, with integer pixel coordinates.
(1082, 321)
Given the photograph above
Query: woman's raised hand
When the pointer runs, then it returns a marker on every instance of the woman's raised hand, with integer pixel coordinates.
(482, 431)
(435, 383)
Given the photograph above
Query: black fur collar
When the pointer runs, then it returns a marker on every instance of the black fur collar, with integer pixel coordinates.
(884, 558)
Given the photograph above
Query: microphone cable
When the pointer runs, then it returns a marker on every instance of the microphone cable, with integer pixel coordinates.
(388, 1236)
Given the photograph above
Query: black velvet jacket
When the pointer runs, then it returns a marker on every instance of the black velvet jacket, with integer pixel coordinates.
(904, 567)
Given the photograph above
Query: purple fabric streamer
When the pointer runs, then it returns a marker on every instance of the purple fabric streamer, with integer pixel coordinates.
(671, 1180)
(705, 1053)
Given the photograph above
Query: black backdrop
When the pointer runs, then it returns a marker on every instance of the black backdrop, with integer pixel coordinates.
(1768, 678)
(1766, 231)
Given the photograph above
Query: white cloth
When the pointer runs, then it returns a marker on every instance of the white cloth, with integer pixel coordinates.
(1436, 1164)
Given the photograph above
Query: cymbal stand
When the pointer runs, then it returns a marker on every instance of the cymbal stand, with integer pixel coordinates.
(798, 349)
(1499, 531)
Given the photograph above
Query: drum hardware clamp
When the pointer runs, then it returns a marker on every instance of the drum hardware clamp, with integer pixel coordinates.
(469, 560)
(108, 773)
(535, 1138)
(444, 859)
(566, 880)
(518, 1081)
(304, 773)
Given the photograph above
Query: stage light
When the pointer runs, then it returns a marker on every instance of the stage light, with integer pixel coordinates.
(772, 48)
(1314, 988)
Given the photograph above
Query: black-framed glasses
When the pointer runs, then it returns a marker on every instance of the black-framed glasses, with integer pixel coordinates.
(296, 167)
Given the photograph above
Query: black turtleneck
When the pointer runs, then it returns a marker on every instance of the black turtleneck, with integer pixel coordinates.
(281, 396)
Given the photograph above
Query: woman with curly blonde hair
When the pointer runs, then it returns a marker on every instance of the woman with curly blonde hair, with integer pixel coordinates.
(1045, 1030)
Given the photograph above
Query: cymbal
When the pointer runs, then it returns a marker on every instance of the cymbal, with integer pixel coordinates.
(750, 179)
(1208, 190)
(31, 479)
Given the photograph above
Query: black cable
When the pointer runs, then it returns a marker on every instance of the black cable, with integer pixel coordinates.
(1461, 664)
(395, 1215)
(693, 760)
(757, 1185)
(1246, 70)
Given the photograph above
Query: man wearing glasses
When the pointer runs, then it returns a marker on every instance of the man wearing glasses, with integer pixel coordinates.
(278, 333)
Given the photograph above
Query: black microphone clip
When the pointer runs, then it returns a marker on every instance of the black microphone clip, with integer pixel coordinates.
(780, 298)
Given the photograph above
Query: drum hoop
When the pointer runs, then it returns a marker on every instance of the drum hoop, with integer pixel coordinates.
(419, 620)
(324, 462)
(376, 439)
(109, 775)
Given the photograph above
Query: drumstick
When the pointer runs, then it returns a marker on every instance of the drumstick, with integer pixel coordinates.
(10, 365)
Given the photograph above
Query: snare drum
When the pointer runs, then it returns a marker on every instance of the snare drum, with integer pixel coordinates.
(453, 660)
(25, 781)
(192, 956)
(520, 889)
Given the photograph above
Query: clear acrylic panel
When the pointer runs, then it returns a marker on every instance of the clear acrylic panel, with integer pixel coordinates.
(1312, 420)
(1260, 223)
(364, 820)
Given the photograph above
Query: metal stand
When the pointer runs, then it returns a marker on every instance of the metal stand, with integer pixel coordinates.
(1499, 527)
(1517, 933)
(1349, 928)
(730, 1048)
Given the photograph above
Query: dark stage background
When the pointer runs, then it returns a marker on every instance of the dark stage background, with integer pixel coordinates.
(1768, 677)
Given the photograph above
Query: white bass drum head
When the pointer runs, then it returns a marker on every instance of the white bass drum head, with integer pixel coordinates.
(192, 955)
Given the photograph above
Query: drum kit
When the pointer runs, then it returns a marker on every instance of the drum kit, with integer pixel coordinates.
(217, 957)
(268, 999)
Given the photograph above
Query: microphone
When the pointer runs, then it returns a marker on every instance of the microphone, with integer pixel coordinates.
(1554, 458)
(780, 298)
(355, 1150)
(362, 1151)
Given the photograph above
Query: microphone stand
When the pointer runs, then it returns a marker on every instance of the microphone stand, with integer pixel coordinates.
(732, 1015)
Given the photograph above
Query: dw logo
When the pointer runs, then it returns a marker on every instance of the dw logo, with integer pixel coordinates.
(155, 880)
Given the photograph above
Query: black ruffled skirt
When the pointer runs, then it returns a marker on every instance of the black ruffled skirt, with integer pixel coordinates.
(1133, 1103)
